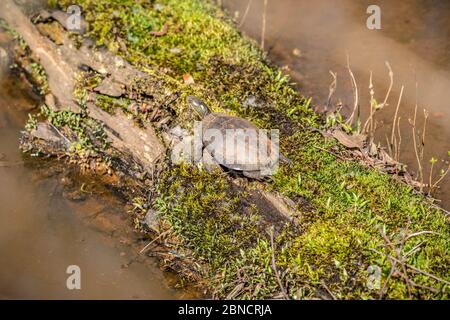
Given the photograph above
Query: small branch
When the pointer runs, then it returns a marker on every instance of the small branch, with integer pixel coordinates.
(263, 30)
(332, 153)
(153, 241)
(245, 13)
(355, 91)
(421, 233)
(399, 143)
(395, 120)
(274, 267)
(382, 105)
(332, 88)
(416, 151)
(441, 178)
(328, 290)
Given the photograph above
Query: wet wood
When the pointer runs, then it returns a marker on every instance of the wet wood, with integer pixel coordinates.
(63, 61)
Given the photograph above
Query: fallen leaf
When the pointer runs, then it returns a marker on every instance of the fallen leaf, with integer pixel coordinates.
(355, 141)
(163, 31)
(187, 78)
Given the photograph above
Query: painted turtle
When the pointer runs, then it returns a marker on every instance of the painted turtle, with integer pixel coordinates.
(234, 143)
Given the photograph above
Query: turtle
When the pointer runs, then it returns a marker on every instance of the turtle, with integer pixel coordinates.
(234, 143)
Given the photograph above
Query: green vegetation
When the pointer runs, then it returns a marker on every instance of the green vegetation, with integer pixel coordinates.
(34, 70)
(39, 77)
(356, 217)
(86, 134)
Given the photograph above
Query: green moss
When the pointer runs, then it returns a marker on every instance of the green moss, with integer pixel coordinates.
(89, 135)
(39, 76)
(339, 237)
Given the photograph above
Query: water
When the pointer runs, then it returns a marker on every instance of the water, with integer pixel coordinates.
(415, 39)
(42, 232)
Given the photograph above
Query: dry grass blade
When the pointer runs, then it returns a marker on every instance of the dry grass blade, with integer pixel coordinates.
(392, 141)
(264, 18)
(244, 17)
(416, 148)
(355, 92)
(443, 175)
(332, 88)
(153, 241)
(369, 121)
(274, 267)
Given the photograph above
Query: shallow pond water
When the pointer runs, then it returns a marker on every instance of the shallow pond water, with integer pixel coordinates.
(313, 37)
(42, 232)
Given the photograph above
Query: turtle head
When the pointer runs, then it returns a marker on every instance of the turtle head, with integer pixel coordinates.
(198, 106)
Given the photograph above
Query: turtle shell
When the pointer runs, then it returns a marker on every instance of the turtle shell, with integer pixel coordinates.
(237, 143)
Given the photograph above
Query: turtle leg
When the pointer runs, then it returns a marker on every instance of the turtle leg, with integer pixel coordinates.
(256, 174)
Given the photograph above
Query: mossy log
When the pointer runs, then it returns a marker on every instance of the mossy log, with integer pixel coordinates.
(315, 230)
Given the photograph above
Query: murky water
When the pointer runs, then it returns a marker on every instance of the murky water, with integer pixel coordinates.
(42, 232)
(414, 39)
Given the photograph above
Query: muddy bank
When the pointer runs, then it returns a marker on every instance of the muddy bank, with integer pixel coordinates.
(332, 217)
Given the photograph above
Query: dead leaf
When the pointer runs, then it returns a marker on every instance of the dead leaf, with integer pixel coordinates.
(355, 141)
(187, 78)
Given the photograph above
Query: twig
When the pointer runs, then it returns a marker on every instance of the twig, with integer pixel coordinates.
(413, 268)
(153, 241)
(355, 91)
(413, 250)
(332, 153)
(328, 290)
(426, 273)
(431, 176)
(332, 88)
(416, 151)
(425, 114)
(263, 31)
(372, 94)
(382, 105)
(421, 233)
(441, 178)
(59, 132)
(274, 266)
(395, 120)
(399, 140)
(245, 13)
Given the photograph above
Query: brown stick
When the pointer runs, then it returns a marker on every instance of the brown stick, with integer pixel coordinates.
(263, 29)
(274, 267)
(355, 92)
(395, 120)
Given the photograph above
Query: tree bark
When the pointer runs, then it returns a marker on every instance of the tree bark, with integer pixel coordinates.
(63, 61)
